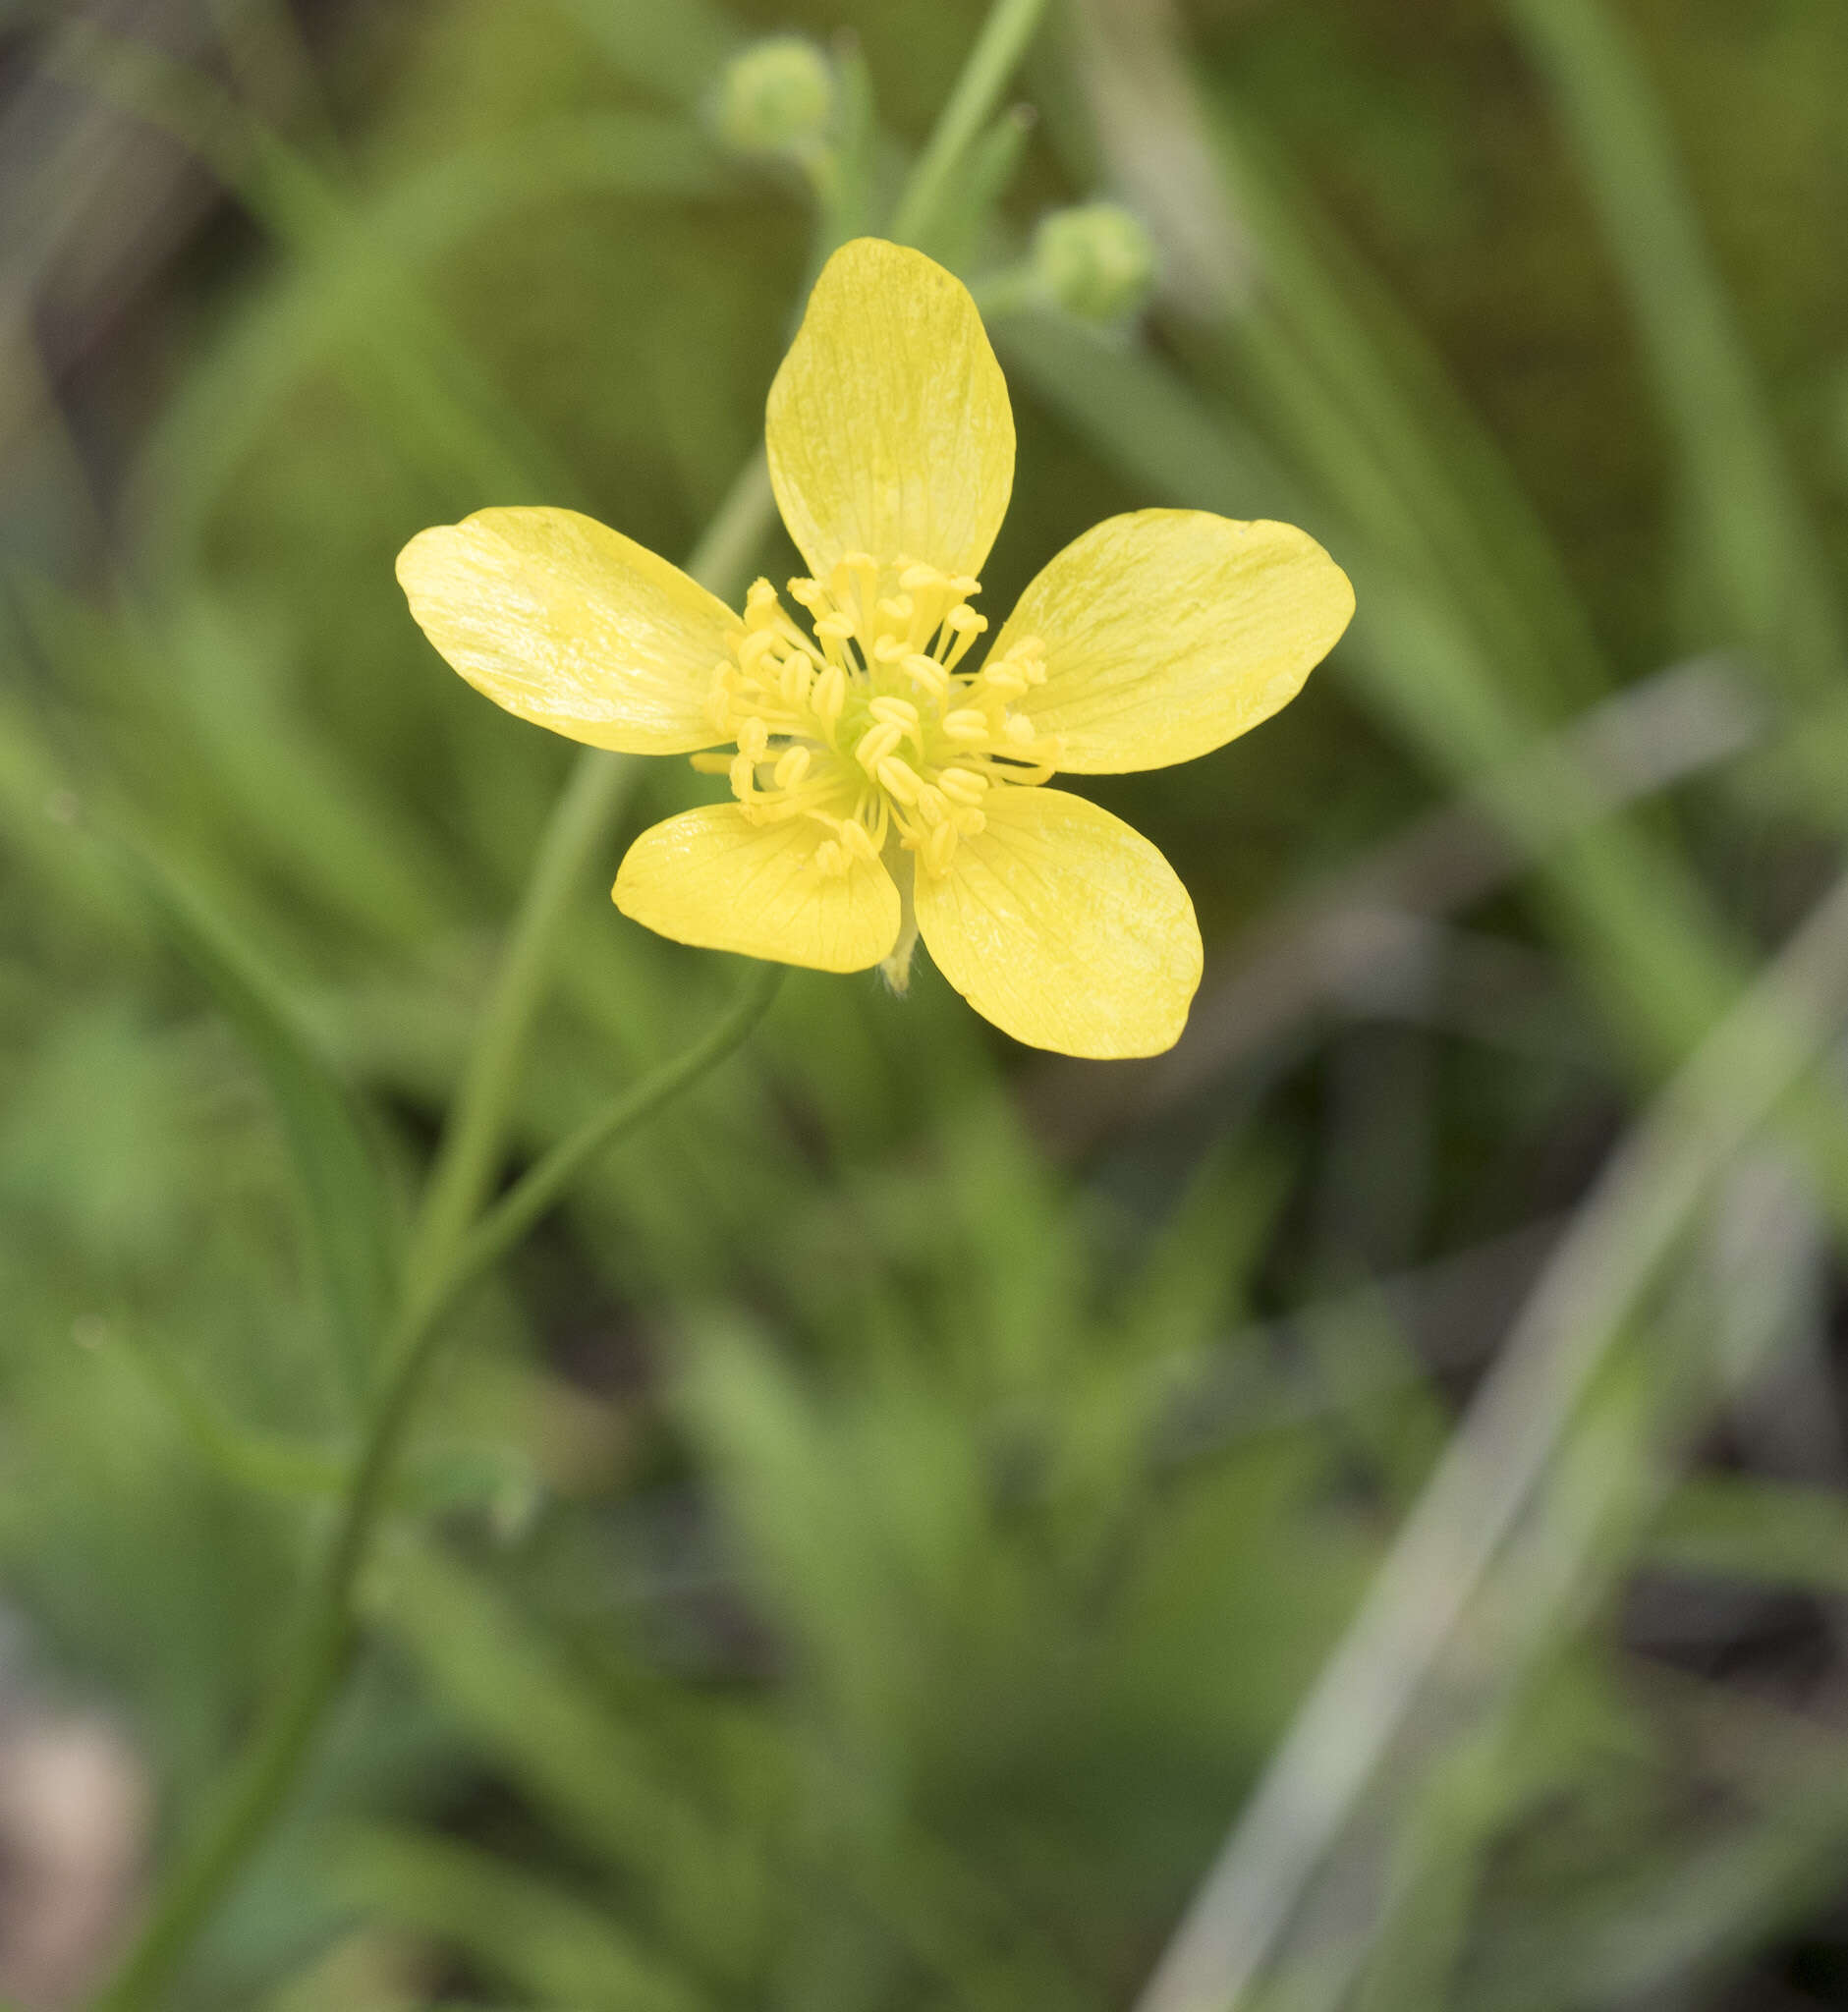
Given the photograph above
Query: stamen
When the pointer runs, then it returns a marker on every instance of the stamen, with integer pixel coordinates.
(899, 779)
(876, 743)
(798, 675)
(927, 672)
(830, 698)
(817, 723)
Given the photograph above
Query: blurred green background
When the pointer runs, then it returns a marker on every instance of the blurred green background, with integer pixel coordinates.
(867, 1547)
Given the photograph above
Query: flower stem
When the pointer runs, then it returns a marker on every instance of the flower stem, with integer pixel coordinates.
(1001, 46)
(448, 1247)
(472, 1140)
(274, 1758)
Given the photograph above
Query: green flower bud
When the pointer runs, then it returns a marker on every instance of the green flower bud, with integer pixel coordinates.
(776, 96)
(1097, 261)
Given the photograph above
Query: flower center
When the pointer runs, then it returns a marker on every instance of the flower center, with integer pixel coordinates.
(868, 725)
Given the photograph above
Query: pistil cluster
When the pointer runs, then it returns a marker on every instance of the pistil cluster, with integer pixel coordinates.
(869, 724)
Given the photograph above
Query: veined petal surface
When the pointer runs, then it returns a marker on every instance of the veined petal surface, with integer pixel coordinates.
(889, 430)
(1170, 631)
(1065, 927)
(570, 625)
(711, 878)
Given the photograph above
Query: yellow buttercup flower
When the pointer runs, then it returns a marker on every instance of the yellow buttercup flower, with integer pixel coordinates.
(887, 785)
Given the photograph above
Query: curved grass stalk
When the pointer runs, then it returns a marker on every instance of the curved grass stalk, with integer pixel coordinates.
(1497, 1459)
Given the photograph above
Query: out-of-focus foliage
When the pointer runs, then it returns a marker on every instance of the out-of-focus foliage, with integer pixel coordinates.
(863, 1551)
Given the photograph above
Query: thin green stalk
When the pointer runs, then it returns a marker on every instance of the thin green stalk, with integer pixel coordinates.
(502, 1227)
(443, 1255)
(275, 1757)
(1002, 43)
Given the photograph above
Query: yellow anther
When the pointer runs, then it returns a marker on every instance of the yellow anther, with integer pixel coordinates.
(761, 604)
(964, 785)
(1004, 678)
(971, 823)
(895, 712)
(897, 609)
(753, 739)
(859, 562)
(805, 592)
(964, 585)
(858, 841)
(965, 621)
(876, 743)
(888, 649)
(1020, 730)
(792, 766)
(899, 779)
(744, 774)
(914, 579)
(830, 695)
(754, 647)
(966, 724)
(714, 762)
(939, 847)
(831, 858)
(932, 805)
(927, 672)
(834, 628)
(796, 674)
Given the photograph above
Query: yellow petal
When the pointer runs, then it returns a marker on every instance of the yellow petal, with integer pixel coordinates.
(1170, 631)
(570, 625)
(1065, 927)
(713, 879)
(889, 430)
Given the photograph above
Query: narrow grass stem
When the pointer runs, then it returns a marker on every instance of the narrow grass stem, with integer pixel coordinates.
(1002, 43)
(1497, 1459)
